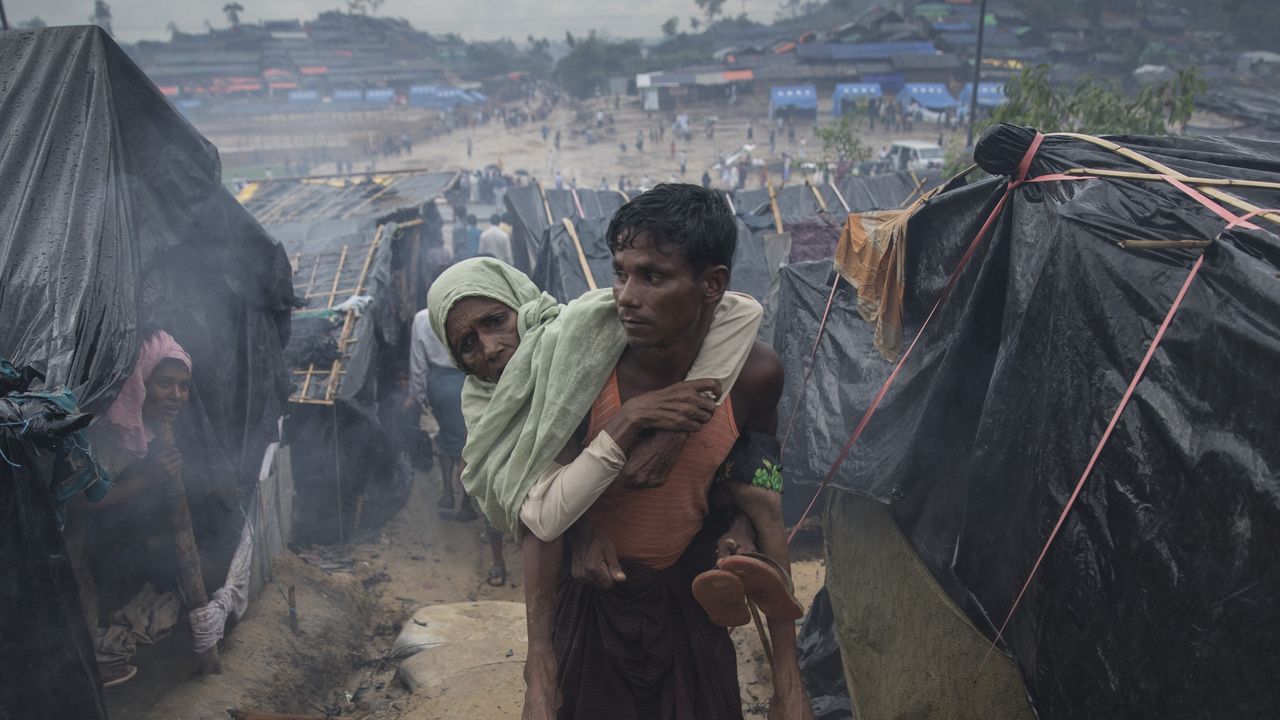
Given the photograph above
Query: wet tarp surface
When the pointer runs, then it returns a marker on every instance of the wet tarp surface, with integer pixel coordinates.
(559, 270)
(821, 666)
(115, 221)
(46, 653)
(529, 215)
(1158, 597)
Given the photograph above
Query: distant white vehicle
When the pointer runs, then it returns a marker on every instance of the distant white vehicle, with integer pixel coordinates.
(915, 155)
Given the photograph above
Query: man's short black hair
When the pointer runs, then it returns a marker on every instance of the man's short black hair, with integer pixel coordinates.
(677, 216)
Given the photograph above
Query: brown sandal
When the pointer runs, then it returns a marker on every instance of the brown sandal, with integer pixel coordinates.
(766, 584)
(722, 595)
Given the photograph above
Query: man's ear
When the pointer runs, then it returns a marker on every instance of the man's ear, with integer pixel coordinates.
(715, 281)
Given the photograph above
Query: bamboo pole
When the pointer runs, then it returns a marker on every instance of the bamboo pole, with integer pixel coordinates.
(773, 204)
(582, 256)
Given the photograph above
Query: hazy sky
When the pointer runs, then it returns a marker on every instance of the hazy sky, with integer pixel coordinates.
(478, 19)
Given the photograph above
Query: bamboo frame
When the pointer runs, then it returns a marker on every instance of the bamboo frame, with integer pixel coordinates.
(582, 256)
(333, 374)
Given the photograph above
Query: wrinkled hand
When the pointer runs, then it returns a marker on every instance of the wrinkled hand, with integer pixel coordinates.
(651, 460)
(682, 407)
(541, 692)
(740, 537)
(594, 559)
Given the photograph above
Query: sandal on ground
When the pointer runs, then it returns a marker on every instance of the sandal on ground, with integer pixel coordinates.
(116, 674)
(722, 595)
(766, 584)
(497, 576)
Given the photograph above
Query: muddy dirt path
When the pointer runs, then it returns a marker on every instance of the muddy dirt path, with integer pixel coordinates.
(421, 558)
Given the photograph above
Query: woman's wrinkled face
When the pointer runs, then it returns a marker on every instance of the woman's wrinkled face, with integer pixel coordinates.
(483, 335)
(168, 389)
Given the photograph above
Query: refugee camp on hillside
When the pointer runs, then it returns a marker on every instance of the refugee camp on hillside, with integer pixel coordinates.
(686, 359)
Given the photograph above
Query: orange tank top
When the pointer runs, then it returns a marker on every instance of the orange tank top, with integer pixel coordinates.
(655, 526)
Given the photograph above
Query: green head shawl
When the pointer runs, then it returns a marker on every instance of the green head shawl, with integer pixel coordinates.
(517, 426)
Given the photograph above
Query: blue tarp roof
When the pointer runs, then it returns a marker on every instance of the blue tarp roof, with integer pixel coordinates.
(437, 96)
(304, 96)
(351, 95)
(853, 92)
(934, 96)
(380, 96)
(804, 97)
(989, 94)
(863, 51)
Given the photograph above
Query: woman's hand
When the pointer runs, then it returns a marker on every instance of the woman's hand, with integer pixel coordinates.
(594, 559)
(682, 407)
(168, 461)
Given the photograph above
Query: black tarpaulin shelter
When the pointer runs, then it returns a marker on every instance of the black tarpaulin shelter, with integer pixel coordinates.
(535, 210)
(801, 222)
(114, 220)
(1157, 598)
(362, 261)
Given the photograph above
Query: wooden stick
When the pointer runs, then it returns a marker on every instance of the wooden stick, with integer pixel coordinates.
(259, 715)
(1161, 244)
(184, 540)
(764, 637)
(582, 256)
(773, 204)
(1128, 175)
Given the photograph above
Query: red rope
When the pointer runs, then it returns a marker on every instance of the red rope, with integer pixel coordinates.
(1097, 451)
(1023, 167)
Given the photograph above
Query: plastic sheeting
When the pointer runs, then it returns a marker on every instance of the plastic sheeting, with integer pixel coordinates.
(821, 666)
(46, 652)
(530, 222)
(1157, 598)
(115, 220)
(559, 270)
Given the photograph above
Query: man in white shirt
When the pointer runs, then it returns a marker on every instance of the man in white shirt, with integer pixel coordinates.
(496, 242)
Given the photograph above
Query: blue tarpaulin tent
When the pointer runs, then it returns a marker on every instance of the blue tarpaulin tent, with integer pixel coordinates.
(304, 96)
(793, 98)
(852, 93)
(348, 96)
(989, 94)
(933, 96)
(379, 96)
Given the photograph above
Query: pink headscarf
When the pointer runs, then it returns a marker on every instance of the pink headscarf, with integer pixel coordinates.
(125, 413)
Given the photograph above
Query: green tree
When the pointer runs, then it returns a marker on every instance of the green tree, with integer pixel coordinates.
(711, 8)
(694, 23)
(232, 11)
(671, 27)
(840, 141)
(34, 23)
(593, 60)
(1099, 107)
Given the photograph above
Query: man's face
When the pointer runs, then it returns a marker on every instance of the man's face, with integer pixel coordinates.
(660, 300)
(483, 334)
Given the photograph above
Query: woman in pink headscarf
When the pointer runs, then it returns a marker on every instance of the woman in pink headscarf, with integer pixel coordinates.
(153, 395)
(118, 536)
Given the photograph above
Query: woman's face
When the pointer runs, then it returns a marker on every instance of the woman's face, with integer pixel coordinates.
(483, 335)
(168, 389)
